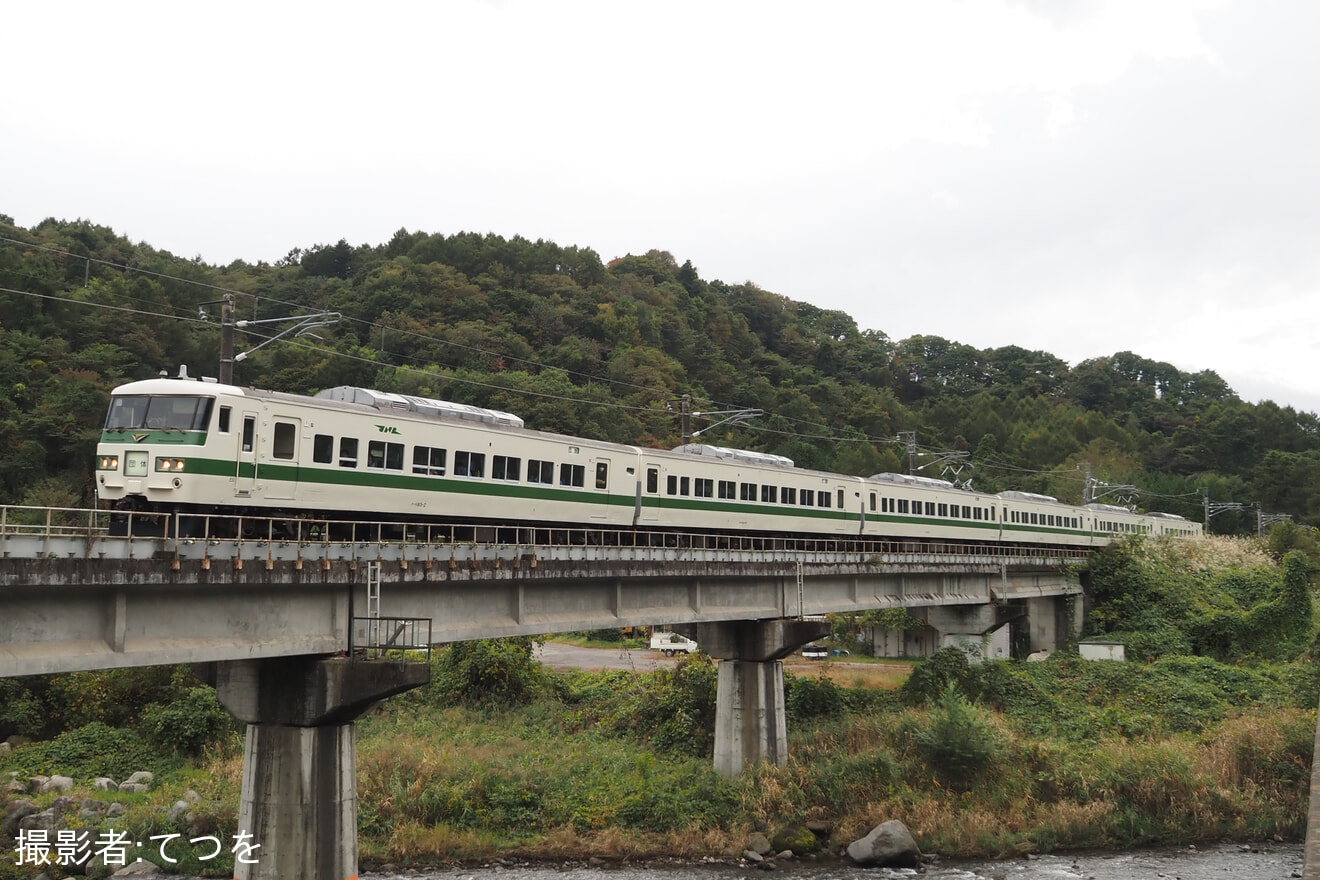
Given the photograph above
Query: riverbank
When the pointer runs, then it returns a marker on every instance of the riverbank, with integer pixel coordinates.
(616, 765)
(501, 759)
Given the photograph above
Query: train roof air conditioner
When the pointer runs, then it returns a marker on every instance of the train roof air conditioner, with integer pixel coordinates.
(387, 401)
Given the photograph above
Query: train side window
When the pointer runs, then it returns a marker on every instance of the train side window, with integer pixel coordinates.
(967, 512)
(788, 495)
(429, 460)
(822, 499)
(727, 489)
(539, 471)
(469, 464)
(323, 449)
(769, 494)
(683, 484)
(953, 511)
(602, 475)
(872, 494)
(222, 421)
(840, 504)
(930, 508)
(807, 498)
(653, 481)
(704, 488)
(747, 492)
(249, 433)
(942, 510)
(348, 452)
(903, 505)
(385, 455)
(671, 485)
(505, 467)
(572, 475)
(285, 436)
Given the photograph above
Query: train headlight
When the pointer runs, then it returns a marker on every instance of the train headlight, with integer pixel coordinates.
(169, 464)
(107, 463)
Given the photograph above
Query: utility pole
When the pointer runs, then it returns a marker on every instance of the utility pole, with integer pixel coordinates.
(227, 340)
(1264, 519)
(909, 439)
(686, 400)
(1093, 489)
(1215, 507)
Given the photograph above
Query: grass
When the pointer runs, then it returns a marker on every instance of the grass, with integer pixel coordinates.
(853, 672)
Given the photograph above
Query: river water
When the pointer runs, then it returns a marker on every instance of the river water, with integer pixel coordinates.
(1222, 862)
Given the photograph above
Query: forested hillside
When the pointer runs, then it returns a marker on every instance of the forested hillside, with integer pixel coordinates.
(575, 344)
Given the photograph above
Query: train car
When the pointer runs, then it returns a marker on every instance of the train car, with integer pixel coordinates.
(173, 446)
(1173, 524)
(1030, 518)
(183, 446)
(922, 508)
(697, 486)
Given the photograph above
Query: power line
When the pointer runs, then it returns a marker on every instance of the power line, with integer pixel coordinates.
(830, 436)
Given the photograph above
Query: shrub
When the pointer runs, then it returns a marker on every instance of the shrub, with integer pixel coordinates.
(187, 725)
(933, 676)
(672, 708)
(811, 698)
(92, 750)
(487, 672)
(959, 741)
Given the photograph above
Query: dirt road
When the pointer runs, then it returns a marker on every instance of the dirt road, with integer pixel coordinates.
(560, 657)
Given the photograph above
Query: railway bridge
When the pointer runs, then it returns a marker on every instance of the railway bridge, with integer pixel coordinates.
(301, 630)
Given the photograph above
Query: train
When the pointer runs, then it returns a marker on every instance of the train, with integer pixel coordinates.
(195, 451)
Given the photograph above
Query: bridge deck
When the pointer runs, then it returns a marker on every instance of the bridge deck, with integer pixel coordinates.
(74, 596)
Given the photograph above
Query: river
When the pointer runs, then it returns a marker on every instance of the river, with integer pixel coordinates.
(1220, 862)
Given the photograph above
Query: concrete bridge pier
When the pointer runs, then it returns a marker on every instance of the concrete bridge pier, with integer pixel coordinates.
(299, 800)
(749, 702)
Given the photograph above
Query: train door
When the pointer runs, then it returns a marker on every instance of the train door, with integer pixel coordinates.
(601, 486)
(649, 501)
(245, 462)
(280, 464)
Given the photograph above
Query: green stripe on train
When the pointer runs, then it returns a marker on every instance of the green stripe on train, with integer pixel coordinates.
(148, 437)
(425, 485)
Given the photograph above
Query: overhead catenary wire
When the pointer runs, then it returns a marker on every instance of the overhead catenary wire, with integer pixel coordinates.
(830, 436)
(451, 377)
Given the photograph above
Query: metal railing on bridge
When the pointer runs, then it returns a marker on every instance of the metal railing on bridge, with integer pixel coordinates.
(398, 639)
(38, 532)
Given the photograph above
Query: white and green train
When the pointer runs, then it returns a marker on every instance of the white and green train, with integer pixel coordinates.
(194, 448)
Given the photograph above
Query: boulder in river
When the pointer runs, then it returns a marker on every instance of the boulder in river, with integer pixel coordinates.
(889, 845)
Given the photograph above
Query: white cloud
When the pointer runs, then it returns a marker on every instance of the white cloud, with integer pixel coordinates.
(1078, 177)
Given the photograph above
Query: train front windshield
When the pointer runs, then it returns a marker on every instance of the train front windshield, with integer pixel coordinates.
(144, 412)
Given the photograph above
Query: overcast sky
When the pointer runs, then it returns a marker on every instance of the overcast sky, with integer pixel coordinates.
(1078, 177)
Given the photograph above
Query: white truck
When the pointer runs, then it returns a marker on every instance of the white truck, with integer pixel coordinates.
(672, 643)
